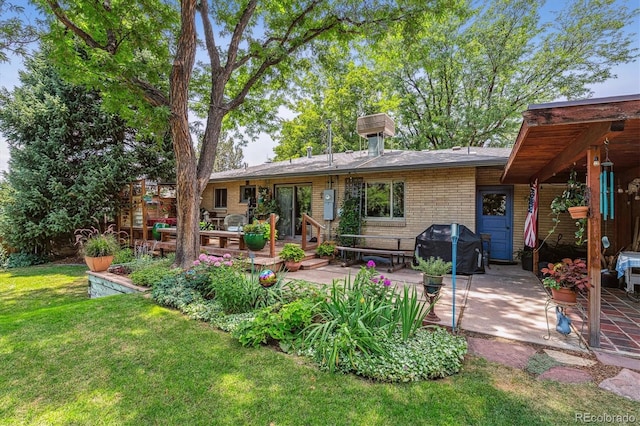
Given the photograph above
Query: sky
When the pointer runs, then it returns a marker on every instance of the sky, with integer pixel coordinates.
(627, 82)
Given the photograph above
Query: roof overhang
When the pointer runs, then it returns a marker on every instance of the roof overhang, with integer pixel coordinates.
(554, 137)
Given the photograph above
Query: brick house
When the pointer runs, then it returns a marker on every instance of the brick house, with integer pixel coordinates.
(412, 190)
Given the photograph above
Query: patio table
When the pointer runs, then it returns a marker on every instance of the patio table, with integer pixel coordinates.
(626, 261)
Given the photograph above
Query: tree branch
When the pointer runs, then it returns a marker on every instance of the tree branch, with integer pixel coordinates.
(90, 41)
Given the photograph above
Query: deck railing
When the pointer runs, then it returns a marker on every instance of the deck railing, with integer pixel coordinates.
(308, 220)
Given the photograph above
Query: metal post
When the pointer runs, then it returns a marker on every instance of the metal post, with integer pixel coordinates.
(454, 260)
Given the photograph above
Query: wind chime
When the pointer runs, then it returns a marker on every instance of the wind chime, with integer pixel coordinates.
(606, 184)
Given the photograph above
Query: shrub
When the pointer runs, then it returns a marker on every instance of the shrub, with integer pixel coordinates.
(22, 260)
(327, 248)
(277, 322)
(432, 353)
(124, 256)
(151, 275)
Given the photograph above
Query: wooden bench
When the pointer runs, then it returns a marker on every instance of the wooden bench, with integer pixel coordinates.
(388, 254)
(222, 236)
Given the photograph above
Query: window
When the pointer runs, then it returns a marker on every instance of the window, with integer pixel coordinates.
(221, 198)
(494, 204)
(247, 193)
(385, 200)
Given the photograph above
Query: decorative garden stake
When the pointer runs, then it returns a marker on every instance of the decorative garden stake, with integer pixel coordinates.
(454, 260)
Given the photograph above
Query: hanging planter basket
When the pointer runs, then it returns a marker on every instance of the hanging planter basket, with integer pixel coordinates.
(579, 212)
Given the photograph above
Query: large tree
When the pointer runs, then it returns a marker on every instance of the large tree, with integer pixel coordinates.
(69, 159)
(251, 49)
(465, 78)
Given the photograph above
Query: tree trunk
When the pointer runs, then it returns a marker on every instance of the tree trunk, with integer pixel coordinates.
(188, 196)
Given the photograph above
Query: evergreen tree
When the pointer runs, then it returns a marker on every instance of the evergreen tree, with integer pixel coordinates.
(69, 159)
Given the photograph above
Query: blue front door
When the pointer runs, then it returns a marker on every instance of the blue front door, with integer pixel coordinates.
(494, 207)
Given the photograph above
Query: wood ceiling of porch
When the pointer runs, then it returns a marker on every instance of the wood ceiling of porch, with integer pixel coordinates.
(555, 137)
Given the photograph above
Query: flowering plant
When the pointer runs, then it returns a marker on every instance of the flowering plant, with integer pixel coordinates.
(569, 273)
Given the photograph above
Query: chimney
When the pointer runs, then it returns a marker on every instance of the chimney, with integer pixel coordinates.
(309, 154)
(375, 127)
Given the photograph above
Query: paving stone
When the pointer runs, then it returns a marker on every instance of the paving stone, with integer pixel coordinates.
(618, 360)
(564, 374)
(504, 353)
(624, 384)
(564, 358)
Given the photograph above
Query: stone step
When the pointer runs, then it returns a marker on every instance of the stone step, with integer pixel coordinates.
(314, 263)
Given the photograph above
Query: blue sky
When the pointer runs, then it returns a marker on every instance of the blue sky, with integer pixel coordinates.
(627, 82)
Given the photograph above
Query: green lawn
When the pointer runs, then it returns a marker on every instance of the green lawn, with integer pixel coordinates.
(65, 359)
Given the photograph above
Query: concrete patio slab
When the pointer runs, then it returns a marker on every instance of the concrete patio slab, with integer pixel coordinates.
(510, 302)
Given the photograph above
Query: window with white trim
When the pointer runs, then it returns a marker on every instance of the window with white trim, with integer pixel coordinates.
(384, 200)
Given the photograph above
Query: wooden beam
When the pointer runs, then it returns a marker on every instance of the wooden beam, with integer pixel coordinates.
(574, 151)
(593, 246)
(563, 113)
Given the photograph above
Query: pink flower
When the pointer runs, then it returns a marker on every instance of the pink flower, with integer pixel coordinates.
(227, 256)
(203, 257)
(375, 280)
(228, 263)
(371, 264)
(387, 282)
(196, 262)
(217, 264)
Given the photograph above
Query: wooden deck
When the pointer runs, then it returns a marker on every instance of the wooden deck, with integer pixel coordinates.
(261, 259)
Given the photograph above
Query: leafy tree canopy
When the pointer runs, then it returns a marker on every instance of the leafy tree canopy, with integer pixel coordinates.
(464, 76)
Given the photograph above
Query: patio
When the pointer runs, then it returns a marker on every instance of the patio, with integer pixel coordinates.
(509, 303)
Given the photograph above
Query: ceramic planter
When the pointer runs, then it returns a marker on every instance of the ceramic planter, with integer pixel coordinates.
(432, 283)
(255, 242)
(98, 264)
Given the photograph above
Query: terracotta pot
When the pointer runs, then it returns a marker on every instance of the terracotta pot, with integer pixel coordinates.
(98, 264)
(579, 212)
(565, 295)
(292, 266)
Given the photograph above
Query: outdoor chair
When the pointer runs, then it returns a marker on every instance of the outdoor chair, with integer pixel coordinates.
(234, 222)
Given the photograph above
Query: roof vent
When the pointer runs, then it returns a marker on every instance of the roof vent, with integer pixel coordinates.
(375, 127)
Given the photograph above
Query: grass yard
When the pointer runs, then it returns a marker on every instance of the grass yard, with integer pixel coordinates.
(123, 360)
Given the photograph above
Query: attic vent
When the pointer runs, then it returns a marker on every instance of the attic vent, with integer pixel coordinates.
(375, 127)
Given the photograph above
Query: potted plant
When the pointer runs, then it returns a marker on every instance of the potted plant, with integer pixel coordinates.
(565, 279)
(525, 256)
(327, 249)
(433, 271)
(98, 247)
(256, 234)
(292, 254)
(575, 201)
(266, 204)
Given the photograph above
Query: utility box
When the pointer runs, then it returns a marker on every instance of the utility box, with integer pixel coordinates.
(329, 197)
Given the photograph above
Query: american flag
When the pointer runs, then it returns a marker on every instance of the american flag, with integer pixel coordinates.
(531, 223)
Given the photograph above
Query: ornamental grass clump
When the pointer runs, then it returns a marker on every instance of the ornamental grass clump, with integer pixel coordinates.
(358, 314)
